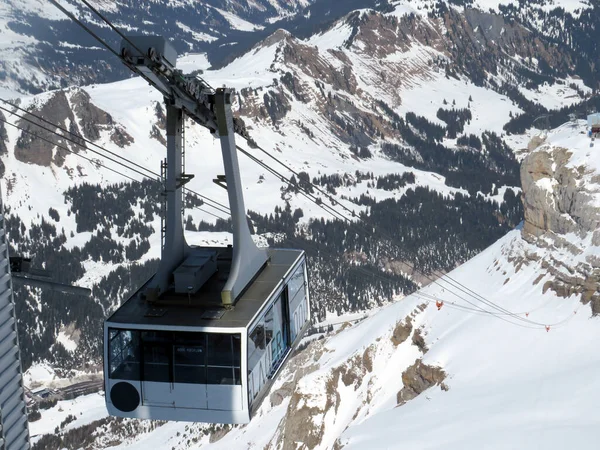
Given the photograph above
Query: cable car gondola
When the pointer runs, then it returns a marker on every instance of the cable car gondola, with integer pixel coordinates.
(204, 338)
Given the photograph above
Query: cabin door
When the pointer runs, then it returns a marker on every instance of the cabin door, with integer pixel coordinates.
(157, 380)
(189, 371)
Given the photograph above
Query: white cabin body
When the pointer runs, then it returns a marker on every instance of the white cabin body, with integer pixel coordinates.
(190, 359)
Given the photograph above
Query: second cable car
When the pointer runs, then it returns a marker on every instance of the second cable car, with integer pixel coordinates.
(204, 338)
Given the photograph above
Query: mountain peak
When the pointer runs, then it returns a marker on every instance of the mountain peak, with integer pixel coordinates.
(280, 35)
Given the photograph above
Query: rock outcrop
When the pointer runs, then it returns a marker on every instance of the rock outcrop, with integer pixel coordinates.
(72, 110)
(401, 332)
(557, 197)
(38, 144)
(561, 199)
(418, 378)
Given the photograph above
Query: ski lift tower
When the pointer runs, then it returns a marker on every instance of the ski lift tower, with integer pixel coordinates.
(14, 431)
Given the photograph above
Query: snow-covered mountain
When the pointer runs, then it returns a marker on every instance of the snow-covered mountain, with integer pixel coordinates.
(41, 48)
(386, 111)
(409, 114)
(466, 375)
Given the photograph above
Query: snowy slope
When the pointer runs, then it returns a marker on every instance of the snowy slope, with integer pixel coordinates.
(41, 48)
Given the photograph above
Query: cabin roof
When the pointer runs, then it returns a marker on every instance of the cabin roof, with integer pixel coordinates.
(195, 310)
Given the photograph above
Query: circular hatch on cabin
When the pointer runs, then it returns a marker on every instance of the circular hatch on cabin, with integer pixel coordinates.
(124, 397)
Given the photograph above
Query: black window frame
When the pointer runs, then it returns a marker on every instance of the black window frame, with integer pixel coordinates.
(224, 372)
(128, 373)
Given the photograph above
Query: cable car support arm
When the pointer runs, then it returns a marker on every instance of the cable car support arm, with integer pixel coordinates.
(192, 96)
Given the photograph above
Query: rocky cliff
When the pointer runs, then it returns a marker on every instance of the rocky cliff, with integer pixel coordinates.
(561, 198)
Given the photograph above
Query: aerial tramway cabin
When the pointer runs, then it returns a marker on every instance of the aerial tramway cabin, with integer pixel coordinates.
(190, 359)
(594, 125)
(205, 337)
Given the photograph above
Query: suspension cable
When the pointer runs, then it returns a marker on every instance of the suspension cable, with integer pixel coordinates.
(454, 283)
(208, 201)
(64, 130)
(331, 210)
(86, 3)
(338, 215)
(93, 162)
(101, 41)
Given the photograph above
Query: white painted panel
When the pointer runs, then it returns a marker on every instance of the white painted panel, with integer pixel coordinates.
(188, 395)
(224, 397)
(157, 394)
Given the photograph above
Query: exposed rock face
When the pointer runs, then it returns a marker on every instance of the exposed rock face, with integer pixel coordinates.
(156, 134)
(160, 125)
(418, 378)
(401, 332)
(37, 145)
(73, 111)
(560, 197)
(555, 196)
(121, 137)
(344, 392)
(161, 117)
(92, 118)
(419, 341)
(299, 429)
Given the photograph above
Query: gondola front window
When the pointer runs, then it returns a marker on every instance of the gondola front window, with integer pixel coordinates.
(124, 354)
(189, 358)
(175, 357)
(157, 351)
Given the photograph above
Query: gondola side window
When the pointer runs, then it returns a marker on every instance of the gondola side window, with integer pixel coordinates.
(256, 344)
(298, 305)
(124, 354)
(259, 358)
(275, 333)
(297, 282)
